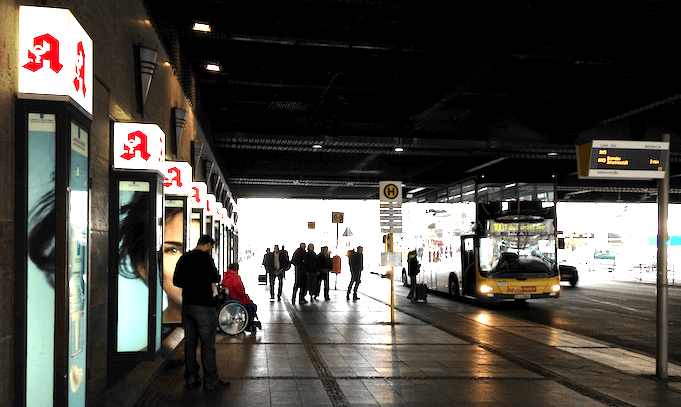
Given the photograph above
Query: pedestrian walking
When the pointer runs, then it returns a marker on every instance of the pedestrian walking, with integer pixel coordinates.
(266, 263)
(356, 262)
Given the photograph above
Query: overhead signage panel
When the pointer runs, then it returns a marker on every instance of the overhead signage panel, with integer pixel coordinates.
(55, 57)
(623, 159)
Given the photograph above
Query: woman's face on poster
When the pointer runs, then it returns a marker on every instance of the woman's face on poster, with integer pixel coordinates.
(173, 248)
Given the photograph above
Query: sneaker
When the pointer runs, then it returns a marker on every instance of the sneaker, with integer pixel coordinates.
(347, 297)
(219, 385)
(355, 298)
(194, 385)
(278, 298)
(257, 324)
(327, 298)
(303, 301)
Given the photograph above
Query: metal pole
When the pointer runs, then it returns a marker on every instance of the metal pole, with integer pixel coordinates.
(392, 295)
(662, 316)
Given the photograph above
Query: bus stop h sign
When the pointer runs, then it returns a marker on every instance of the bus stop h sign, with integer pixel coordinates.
(390, 191)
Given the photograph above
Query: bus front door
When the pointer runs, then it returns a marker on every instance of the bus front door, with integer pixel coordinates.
(468, 282)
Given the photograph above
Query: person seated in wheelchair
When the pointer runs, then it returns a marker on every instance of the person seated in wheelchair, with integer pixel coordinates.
(232, 284)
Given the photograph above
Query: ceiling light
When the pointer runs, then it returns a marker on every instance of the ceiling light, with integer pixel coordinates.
(204, 27)
(213, 67)
(398, 149)
(317, 146)
(415, 190)
(553, 154)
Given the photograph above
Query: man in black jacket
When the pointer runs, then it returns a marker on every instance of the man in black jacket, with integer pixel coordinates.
(196, 274)
(324, 266)
(299, 260)
(312, 271)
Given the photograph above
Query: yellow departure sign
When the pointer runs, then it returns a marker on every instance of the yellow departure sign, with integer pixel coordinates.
(623, 159)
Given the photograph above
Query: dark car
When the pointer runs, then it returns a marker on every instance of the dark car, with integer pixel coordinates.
(569, 273)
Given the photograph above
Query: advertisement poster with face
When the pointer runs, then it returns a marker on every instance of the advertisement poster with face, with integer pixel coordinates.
(77, 278)
(173, 247)
(40, 279)
(133, 266)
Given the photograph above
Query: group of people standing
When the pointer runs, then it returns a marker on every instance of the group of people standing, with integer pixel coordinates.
(311, 270)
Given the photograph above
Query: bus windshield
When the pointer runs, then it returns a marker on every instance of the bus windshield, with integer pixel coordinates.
(522, 248)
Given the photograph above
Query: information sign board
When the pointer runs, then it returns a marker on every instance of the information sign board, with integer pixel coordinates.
(623, 159)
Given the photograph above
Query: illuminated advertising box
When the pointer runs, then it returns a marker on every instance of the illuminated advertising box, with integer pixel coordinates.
(197, 197)
(138, 146)
(55, 57)
(218, 211)
(211, 206)
(177, 178)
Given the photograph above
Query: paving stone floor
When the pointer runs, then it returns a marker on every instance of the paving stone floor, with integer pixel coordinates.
(439, 353)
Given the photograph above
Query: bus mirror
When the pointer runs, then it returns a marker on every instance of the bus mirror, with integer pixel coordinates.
(561, 243)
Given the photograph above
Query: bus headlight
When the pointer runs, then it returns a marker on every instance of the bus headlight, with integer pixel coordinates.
(485, 289)
(556, 287)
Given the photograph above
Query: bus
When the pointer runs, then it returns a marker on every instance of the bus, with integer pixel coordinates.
(485, 241)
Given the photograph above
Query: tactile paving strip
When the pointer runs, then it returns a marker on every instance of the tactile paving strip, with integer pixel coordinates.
(330, 384)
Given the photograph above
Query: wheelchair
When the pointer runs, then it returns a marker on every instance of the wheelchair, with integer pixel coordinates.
(234, 317)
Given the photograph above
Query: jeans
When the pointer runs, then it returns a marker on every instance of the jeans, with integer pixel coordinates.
(200, 323)
(300, 283)
(323, 278)
(274, 277)
(354, 280)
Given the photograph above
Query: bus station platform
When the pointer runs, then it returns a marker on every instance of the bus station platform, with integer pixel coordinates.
(437, 353)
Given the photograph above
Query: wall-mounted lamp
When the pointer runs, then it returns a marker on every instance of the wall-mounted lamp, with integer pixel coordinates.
(180, 118)
(399, 149)
(147, 68)
(197, 153)
(208, 172)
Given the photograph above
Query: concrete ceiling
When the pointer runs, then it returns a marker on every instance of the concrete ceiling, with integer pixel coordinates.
(465, 88)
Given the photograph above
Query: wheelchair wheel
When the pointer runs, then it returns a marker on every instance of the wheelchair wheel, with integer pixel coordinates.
(232, 318)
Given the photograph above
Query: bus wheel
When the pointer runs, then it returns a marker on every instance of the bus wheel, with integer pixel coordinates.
(453, 287)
